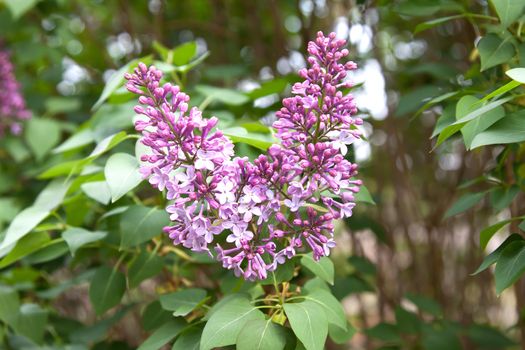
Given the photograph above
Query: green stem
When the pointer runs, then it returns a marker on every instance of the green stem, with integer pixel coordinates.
(276, 286)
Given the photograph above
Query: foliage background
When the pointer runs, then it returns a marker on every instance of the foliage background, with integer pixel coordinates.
(392, 256)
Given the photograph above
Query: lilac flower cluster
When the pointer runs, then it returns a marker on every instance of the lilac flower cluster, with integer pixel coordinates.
(12, 105)
(255, 215)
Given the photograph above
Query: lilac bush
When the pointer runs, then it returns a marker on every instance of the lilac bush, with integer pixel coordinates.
(254, 216)
(13, 109)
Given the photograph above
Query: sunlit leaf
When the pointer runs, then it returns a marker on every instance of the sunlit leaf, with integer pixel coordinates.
(508, 10)
(182, 302)
(308, 322)
(227, 321)
(261, 335)
(510, 129)
(42, 135)
(19, 7)
(324, 268)
(77, 237)
(163, 335)
(122, 174)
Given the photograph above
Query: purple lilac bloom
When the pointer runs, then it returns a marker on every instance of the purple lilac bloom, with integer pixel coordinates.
(254, 216)
(13, 109)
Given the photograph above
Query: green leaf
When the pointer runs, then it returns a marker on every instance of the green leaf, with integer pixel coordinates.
(240, 134)
(435, 22)
(182, 302)
(9, 304)
(188, 340)
(121, 118)
(163, 335)
(21, 225)
(117, 80)
(458, 124)
(274, 86)
(77, 237)
(315, 283)
(154, 316)
(486, 234)
(162, 50)
(439, 339)
(501, 197)
(494, 256)
(510, 129)
(183, 53)
(76, 166)
(494, 51)
(97, 190)
(226, 96)
(517, 74)
(447, 118)
(187, 67)
(434, 101)
(261, 335)
(9, 208)
(418, 8)
(65, 104)
(508, 10)
(82, 138)
(324, 268)
(384, 331)
(331, 306)
(107, 288)
(55, 291)
(122, 174)
(41, 135)
(364, 196)
(464, 203)
(467, 104)
(412, 101)
(227, 321)
(407, 322)
(16, 148)
(31, 322)
(99, 330)
(140, 224)
(52, 195)
(510, 265)
(362, 265)
(24, 247)
(339, 335)
(145, 266)
(309, 323)
(425, 304)
(50, 251)
(19, 7)
(521, 53)
(486, 337)
(501, 90)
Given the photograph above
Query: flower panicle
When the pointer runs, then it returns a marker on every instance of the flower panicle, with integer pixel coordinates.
(254, 216)
(13, 110)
